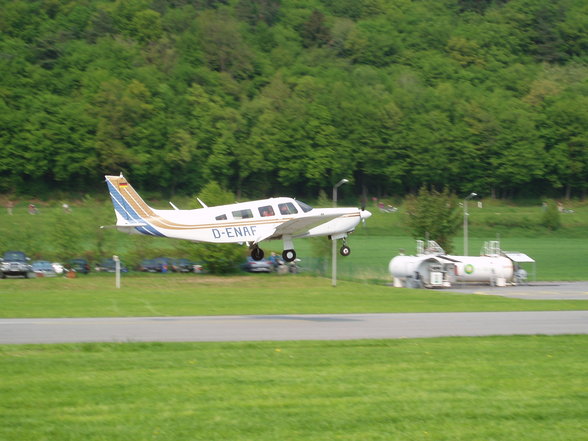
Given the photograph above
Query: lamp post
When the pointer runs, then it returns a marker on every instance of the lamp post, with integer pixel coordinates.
(334, 241)
(465, 222)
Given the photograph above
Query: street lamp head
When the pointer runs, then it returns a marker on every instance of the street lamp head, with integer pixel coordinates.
(341, 182)
(471, 195)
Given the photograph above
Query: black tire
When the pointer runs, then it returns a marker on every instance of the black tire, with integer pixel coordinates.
(257, 254)
(289, 255)
(345, 251)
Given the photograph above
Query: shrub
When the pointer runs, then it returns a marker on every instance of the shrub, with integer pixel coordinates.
(551, 218)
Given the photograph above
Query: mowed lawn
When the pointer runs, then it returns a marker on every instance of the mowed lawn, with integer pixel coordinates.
(497, 388)
(182, 295)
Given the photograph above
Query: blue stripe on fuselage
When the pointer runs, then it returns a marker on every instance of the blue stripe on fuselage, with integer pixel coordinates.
(127, 212)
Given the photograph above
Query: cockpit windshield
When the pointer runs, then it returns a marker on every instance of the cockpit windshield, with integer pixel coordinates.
(305, 207)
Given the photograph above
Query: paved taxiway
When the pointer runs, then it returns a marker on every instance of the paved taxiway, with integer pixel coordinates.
(291, 327)
(531, 291)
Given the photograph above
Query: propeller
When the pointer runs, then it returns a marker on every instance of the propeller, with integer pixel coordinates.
(364, 213)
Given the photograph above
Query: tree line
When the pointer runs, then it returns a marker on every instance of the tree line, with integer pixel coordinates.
(289, 96)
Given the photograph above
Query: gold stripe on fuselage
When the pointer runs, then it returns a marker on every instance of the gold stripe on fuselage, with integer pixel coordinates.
(143, 210)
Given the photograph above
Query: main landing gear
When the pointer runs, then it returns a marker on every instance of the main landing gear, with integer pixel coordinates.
(288, 255)
(257, 253)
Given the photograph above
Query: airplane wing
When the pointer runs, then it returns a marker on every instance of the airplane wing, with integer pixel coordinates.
(298, 226)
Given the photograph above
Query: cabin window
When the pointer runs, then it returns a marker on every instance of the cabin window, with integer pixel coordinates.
(305, 207)
(242, 214)
(266, 211)
(221, 217)
(287, 208)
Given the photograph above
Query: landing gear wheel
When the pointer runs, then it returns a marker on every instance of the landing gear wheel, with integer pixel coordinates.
(289, 255)
(257, 253)
(345, 251)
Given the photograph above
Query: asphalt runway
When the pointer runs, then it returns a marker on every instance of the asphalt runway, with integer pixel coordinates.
(290, 327)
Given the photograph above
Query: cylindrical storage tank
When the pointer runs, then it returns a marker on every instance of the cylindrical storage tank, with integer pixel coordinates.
(483, 268)
(402, 267)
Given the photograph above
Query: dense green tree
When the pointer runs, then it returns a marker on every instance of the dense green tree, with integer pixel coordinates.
(314, 31)
(268, 96)
(434, 215)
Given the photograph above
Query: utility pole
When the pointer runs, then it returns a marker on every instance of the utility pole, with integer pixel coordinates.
(334, 241)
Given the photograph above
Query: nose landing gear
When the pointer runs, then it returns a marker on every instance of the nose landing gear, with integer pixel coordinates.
(345, 251)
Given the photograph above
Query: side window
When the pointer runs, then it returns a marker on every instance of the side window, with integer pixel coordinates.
(242, 214)
(221, 217)
(305, 207)
(268, 210)
(287, 208)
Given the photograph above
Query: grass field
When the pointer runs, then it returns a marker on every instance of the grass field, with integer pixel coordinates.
(177, 295)
(450, 389)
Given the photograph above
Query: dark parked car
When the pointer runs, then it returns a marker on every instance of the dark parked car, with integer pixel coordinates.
(148, 266)
(257, 266)
(79, 266)
(182, 266)
(157, 265)
(109, 266)
(15, 263)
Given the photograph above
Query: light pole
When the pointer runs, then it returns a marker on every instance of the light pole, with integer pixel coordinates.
(334, 241)
(465, 222)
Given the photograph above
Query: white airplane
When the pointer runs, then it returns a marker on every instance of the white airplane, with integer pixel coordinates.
(245, 222)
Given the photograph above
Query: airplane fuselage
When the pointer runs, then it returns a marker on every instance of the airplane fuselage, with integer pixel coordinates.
(251, 222)
(203, 225)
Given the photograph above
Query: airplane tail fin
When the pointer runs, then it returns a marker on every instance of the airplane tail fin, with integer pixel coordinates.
(130, 209)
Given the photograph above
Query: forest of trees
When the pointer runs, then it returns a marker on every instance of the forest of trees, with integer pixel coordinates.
(272, 97)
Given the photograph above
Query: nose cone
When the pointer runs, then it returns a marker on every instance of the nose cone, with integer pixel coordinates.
(365, 214)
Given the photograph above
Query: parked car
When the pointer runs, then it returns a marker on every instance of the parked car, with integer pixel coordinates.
(57, 267)
(109, 266)
(165, 264)
(79, 265)
(198, 267)
(257, 266)
(15, 263)
(182, 266)
(148, 266)
(43, 268)
(157, 265)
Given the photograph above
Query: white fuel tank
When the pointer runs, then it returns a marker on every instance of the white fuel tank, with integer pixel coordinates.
(404, 266)
(483, 268)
